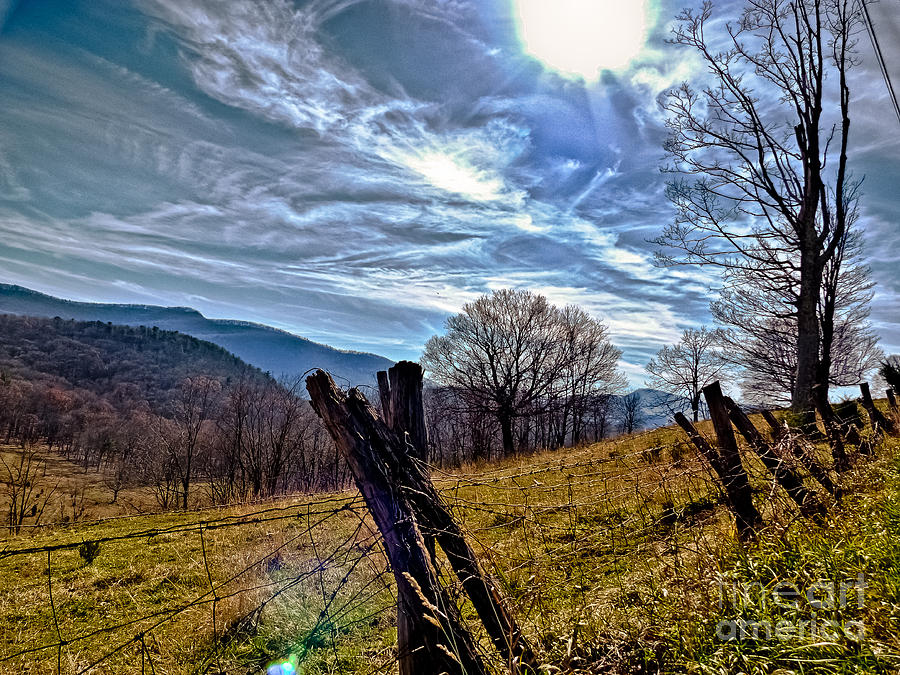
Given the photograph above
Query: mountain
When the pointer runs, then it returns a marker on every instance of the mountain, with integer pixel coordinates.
(658, 408)
(127, 368)
(267, 348)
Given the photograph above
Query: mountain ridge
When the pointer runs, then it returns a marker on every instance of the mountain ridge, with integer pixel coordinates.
(271, 349)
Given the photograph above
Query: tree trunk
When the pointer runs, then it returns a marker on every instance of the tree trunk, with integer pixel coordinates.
(506, 430)
(808, 339)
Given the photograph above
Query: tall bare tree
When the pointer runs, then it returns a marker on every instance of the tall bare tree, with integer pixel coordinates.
(683, 369)
(511, 354)
(193, 409)
(763, 328)
(760, 153)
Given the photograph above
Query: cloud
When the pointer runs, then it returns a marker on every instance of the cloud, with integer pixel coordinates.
(351, 171)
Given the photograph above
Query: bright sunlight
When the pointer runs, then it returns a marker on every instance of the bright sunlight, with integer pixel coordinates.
(582, 37)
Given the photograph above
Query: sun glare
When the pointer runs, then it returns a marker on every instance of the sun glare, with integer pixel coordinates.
(582, 37)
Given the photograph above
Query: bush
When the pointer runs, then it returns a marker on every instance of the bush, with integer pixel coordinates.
(89, 551)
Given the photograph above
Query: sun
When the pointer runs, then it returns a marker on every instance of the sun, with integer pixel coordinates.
(582, 37)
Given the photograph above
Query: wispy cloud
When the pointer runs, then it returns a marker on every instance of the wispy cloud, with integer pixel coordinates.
(312, 167)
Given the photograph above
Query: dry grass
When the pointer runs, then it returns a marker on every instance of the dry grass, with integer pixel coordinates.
(609, 553)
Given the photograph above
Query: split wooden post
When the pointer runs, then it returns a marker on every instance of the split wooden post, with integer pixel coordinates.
(784, 474)
(876, 417)
(404, 411)
(728, 466)
(404, 392)
(437, 642)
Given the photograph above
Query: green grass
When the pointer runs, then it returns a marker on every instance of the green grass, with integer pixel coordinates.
(612, 556)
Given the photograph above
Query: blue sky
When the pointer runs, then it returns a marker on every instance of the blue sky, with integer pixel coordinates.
(354, 171)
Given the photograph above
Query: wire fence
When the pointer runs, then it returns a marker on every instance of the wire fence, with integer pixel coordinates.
(583, 541)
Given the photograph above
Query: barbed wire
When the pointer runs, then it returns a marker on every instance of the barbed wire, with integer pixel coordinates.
(546, 518)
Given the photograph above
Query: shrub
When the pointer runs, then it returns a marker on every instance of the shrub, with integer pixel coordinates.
(89, 551)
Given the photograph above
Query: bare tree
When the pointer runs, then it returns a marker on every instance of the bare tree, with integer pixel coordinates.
(763, 187)
(683, 369)
(631, 412)
(194, 407)
(763, 330)
(26, 495)
(589, 367)
(510, 355)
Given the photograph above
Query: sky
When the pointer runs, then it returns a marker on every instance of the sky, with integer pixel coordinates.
(355, 170)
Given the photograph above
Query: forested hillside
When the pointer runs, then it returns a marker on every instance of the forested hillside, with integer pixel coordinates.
(273, 350)
(122, 366)
(155, 410)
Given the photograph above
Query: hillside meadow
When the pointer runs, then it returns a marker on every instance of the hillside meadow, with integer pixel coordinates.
(617, 557)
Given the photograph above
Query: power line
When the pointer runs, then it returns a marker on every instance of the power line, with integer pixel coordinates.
(870, 27)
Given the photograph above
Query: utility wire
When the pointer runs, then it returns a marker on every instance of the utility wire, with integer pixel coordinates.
(870, 27)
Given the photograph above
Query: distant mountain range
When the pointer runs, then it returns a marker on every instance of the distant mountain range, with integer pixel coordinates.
(658, 408)
(269, 349)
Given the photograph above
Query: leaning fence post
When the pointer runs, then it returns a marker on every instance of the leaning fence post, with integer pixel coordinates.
(436, 641)
(832, 429)
(876, 417)
(727, 463)
(404, 392)
(789, 479)
(892, 401)
(772, 421)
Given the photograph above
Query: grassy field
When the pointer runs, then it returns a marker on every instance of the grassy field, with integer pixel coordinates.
(618, 557)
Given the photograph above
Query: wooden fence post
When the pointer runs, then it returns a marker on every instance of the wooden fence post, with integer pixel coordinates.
(727, 464)
(790, 480)
(437, 641)
(407, 415)
(876, 417)
(772, 421)
(832, 429)
(401, 386)
(892, 401)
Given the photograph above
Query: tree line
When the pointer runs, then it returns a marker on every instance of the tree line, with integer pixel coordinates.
(159, 410)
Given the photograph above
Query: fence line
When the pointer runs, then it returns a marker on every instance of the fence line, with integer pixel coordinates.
(625, 513)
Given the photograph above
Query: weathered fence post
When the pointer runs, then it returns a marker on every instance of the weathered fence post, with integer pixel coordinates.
(409, 479)
(790, 480)
(832, 430)
(404, 393)
(892, 401)
(437, 641)
(402, 386)
(876, 417)
(772, 421)
(730, 470)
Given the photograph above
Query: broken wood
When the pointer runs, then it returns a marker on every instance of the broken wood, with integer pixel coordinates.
(404, 411)
(407, 415)
(808, 501)
(437, 641)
